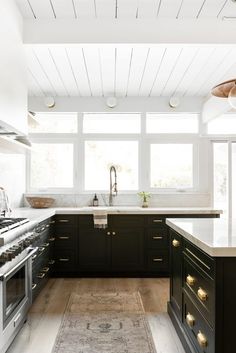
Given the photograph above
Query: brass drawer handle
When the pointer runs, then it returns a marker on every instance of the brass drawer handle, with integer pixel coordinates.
(157, 237)
(34, 285)
(51, 239)
(51, 262)
(48, 225)
(202, 340)
(190, 280)
(175, 243)
(63, 238)
(63, 220)
(52, 222)
(46, 245)
(45, 269)
(113, 233)
(108, 233)
(202, 294)
(64, 259)
(190, 319)
(41, 275)
(157, 220)
(157, 259)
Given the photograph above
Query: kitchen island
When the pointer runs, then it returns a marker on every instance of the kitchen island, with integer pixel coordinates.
(203, 283)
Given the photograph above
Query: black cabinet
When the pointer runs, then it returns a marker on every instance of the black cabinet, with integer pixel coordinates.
(202, 298)
(42, 263)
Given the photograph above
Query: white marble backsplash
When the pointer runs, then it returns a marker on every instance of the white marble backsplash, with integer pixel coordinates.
(156, 200)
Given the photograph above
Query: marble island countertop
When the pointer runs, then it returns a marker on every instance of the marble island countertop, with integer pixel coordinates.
(215, 236)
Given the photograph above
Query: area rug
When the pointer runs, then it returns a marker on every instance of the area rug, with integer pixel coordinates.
(104, 322)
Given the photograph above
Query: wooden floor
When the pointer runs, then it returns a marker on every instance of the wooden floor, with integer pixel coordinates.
(39, 332)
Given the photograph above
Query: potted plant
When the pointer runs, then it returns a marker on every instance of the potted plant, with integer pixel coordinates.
(145, 196)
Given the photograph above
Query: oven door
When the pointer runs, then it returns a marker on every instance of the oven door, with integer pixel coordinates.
(16, 288)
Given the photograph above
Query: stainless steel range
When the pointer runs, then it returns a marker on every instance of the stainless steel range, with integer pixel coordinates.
(15, 276)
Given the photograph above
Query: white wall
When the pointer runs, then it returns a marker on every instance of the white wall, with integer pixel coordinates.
(13, 80)
(12, 177)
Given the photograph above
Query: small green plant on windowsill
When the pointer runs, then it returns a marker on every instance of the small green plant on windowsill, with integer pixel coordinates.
(145, 196)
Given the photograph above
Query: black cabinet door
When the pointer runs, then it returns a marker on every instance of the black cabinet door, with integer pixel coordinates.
(94, 249)
(127, 252)
(176, 272)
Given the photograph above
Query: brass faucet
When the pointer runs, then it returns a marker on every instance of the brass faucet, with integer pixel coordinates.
(113, 187)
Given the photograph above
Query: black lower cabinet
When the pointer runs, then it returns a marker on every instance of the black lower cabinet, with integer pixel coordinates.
(131, 245)
(127, 253)
(202, 298)
(93, 250)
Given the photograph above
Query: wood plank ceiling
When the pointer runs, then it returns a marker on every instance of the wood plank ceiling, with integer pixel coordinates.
(127, 71)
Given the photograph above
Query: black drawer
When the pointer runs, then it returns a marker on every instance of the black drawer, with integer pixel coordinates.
(156, 221)
(200, 288)
(66, 220)
(157, 238)
(205, 262)
(201, 334)
(158, 261)
(124, 221)
(64, 260)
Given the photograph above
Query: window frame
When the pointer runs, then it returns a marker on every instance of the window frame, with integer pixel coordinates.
(144, 140)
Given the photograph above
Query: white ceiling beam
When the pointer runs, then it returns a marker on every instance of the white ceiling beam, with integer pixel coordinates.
(98, 104)
(124, 31)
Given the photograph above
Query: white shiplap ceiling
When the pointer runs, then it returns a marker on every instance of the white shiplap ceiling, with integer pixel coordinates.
(125, 71)
(42, 9)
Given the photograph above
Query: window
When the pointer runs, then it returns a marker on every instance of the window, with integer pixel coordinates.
(112, 123)
(171, 166)
(51, 165)
(172, 123)
(101, 155)
(220, 175)
(54, 123)
(225, 124)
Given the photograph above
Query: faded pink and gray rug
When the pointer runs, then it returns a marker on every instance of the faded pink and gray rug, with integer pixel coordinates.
(104, 322)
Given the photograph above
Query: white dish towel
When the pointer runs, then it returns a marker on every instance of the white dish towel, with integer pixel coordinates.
(100, 219)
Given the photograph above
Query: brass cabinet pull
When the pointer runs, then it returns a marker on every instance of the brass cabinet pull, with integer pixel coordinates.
(41, 275)
(190, 319)
(113, 233)
(64, 259)
(52, 222)
(157, 259)
(157, 237)
(34, 285)
(48, 225)
(108, 233)
(51, 239)
(202, 294)
(190, 280)
(46, 245)
(157, 220)
(63, 220)
(51, 262)
(175, 243)
(45, 269)
(202, 340)
(63, 238)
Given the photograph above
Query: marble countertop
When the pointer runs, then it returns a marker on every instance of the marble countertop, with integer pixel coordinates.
(31, 213)
(215, 236)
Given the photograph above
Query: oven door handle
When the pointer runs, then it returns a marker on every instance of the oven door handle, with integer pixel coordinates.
(4, 276)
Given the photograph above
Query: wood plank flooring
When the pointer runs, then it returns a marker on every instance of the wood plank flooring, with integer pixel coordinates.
(39, 332)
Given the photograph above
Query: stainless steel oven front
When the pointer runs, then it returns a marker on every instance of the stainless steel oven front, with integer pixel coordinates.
(15, 297)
